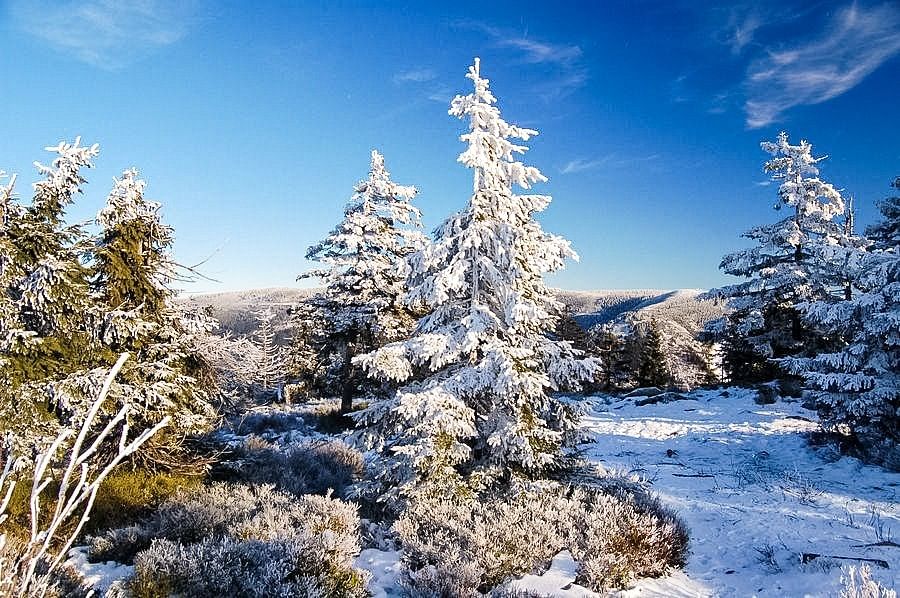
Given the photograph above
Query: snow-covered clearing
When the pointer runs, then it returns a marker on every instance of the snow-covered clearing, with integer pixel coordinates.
(755, 496)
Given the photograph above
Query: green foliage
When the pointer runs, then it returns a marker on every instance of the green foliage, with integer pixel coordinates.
(126, 496)
(653, 370)
(124, 265)
(743, 365)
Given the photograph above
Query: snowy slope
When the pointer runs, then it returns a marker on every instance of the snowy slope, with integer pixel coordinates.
(754, 494)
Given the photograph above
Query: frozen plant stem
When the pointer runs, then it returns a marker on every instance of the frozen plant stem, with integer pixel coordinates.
(77, 490)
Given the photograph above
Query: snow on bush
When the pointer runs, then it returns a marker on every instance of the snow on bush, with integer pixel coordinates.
(225, 566)
(858, 583)
(234, 539)
(459, 549)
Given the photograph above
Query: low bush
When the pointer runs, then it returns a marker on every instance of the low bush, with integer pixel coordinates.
(310, 468)
(224, 566)
(328, 419)
(238, 540)
(268, 422)
(460, 549)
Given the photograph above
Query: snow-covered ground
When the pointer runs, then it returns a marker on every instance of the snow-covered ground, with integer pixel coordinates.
(755, 496)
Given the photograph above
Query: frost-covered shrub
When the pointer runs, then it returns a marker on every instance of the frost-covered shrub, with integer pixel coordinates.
(459, 549)
(858, 583)
(238, 540)
(238, 511)
(225, 566)
(311, 468)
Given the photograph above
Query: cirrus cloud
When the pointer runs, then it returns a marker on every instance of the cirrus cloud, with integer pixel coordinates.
(855, 43)
(108, 34)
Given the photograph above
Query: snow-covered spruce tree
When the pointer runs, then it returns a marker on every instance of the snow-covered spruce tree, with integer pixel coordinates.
(885, 235)
(785, 267)
(47, 278)
(270, 371)
(857, 387)
(132, 271)
(9, 317)
(365, 276)
(480, 367)
(132, 263)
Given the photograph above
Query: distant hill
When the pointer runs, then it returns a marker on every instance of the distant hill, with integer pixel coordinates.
(678, 315)
(235, 309)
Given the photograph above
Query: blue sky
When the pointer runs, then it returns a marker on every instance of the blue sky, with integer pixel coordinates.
(252, 121)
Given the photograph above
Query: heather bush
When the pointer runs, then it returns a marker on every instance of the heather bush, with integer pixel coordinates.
(234, 510)
(461, 548)
(268, 423)
(310, 468)
(239, 540)
(224, 566)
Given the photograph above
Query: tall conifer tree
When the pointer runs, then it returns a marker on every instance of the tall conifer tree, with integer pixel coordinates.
(479, 370)
(365, 274)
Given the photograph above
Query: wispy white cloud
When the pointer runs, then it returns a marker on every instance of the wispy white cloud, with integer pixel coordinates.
(856, 42)
(424, 84)
(564, 60)
(581, 164)
(441, 94)
(540, 52)
(609, 160)
(415, 76)
(742, 31)
(109, 34)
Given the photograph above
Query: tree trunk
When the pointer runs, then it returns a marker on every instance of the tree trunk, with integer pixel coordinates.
(796, 323)
(347, 389)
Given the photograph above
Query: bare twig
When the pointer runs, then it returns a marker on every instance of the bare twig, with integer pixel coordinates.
(78, 489)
